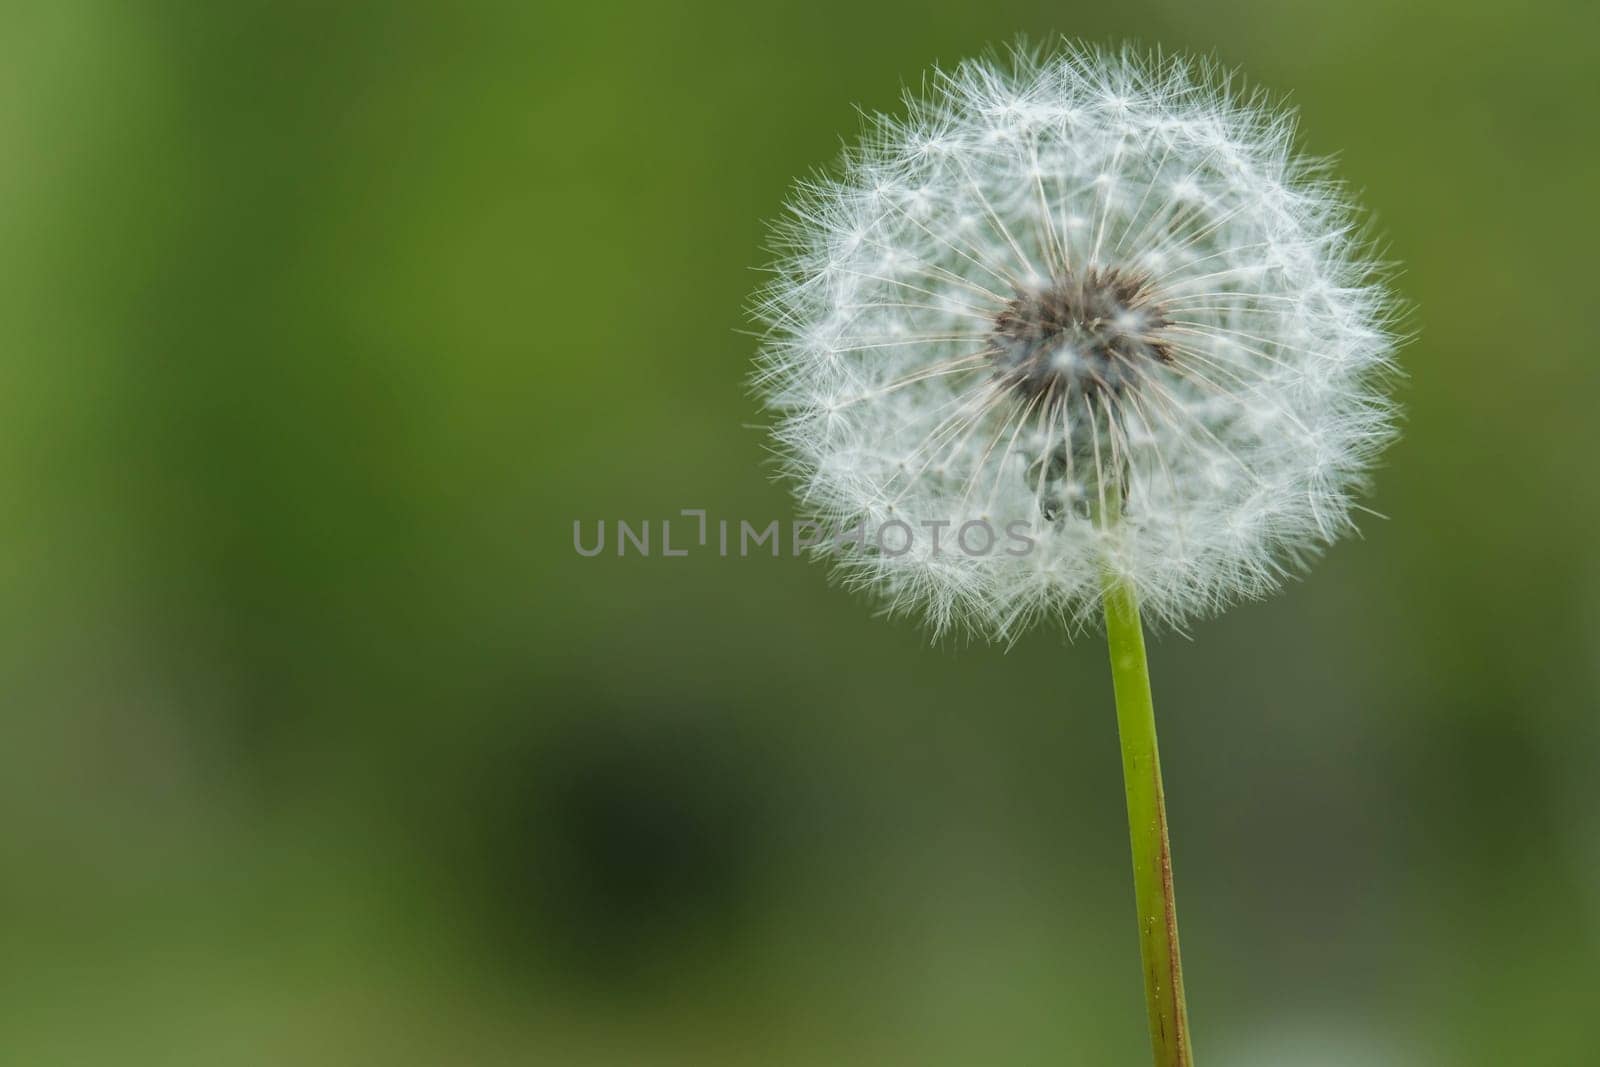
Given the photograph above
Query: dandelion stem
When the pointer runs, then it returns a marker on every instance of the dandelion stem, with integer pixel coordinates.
(1147, 829)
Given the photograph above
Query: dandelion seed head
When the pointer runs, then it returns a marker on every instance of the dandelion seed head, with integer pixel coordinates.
(1092, 296)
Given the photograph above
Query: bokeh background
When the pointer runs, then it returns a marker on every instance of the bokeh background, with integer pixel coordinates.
(320, 745)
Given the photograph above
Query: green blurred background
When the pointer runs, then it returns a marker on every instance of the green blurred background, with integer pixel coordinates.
(321, 745)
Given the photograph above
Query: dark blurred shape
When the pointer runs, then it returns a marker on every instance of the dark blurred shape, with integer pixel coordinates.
(629, 835)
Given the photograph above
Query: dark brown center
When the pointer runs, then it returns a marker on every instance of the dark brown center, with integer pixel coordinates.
(1088, 334)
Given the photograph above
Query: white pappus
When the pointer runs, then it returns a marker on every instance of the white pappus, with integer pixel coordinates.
(1094, 294)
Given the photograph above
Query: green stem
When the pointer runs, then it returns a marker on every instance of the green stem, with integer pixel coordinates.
(1147, 829)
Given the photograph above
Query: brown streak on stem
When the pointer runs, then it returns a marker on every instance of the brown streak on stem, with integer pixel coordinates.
(1169, 906)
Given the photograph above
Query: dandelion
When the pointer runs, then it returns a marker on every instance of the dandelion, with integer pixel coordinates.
(1097, 300)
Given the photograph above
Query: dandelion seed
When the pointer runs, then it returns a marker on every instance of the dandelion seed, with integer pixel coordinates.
(1058, 251)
